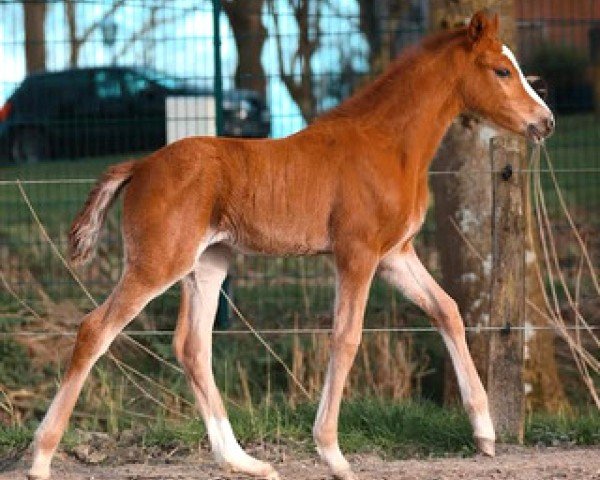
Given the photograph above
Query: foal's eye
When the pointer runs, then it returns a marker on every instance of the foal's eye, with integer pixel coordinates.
(502, 72)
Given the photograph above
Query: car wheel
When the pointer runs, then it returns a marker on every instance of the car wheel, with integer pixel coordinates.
(29, 146)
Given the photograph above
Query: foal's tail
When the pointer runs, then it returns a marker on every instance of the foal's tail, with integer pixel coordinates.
(86, 227)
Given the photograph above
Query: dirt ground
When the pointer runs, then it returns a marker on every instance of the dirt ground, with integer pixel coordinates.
(512, 463)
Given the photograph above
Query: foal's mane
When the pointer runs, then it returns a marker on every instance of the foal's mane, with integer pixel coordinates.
(373, 92)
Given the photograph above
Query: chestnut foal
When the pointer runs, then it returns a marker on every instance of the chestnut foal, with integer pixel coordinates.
(354, 184)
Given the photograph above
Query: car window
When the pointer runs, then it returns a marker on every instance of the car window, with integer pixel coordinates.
(135, 84)
(107, 85)
(164, 80)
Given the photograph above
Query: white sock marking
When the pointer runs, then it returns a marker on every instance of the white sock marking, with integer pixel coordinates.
(40, 466)
(227, 450)
(481, 421)
(483, 426)
(333, 456)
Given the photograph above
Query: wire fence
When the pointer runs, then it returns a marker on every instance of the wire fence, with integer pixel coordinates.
(129, 76)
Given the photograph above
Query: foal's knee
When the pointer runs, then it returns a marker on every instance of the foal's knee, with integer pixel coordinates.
(188, 355)
(345, 344)
(345, 348)
(194, 354)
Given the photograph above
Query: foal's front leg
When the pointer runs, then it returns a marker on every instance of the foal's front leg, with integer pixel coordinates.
(354, 274)
(405, 271)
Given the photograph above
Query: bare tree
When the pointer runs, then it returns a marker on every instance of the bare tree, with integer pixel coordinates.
(35, 36)
(250, 34)
(153, 20)
(297, 74)
(77, 40)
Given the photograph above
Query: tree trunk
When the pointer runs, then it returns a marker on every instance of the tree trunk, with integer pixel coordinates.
(35, 35)
(463, 202)
(250, 34)
(296, 73)
(73, 39)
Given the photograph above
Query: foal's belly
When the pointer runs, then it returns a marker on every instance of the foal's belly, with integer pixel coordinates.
(294, 235)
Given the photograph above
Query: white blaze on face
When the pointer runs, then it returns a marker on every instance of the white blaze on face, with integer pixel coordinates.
(532, 93)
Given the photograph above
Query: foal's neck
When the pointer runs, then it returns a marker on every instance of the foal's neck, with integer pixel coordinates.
(419, 98)
(410, 107)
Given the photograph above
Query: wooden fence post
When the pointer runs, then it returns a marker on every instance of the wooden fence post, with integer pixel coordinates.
(507, 297)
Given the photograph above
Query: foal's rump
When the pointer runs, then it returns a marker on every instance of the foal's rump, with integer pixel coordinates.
(163, 203)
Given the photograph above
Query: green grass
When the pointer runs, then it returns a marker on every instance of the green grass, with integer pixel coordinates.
(395, 430)
(582, 429)
(366, 425)
(14, 437)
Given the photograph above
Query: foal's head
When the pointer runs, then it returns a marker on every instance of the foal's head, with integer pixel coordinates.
(494, 86)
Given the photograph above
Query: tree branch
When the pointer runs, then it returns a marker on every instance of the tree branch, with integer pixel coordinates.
(302, 91)
(77, 41)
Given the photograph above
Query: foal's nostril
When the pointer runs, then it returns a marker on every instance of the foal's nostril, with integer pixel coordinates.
(549, 124)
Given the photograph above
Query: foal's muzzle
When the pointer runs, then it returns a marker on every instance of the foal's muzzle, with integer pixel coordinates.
(541, 130)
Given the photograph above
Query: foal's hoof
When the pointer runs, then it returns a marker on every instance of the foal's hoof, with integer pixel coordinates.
(263, 472)
(344, 475)
(36, 477)
(486, 446)
(273, 475)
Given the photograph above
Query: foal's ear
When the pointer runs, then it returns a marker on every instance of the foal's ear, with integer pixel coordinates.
(483, 25)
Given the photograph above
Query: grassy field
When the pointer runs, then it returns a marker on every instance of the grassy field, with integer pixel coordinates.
(394, 430)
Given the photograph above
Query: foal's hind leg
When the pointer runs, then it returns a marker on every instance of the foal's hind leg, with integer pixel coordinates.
(193, 348)
(96, 332)
(405, 271)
